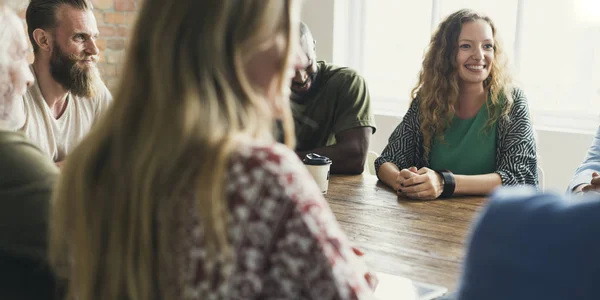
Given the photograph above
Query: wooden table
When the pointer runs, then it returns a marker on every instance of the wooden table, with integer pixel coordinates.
(421, 240)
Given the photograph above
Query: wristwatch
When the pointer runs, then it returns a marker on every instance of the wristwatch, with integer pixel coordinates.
(448, 182)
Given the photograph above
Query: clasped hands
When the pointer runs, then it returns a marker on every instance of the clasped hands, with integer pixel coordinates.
(422, 184)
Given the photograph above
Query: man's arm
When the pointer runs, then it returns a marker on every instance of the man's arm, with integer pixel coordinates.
(349, 152)
(591, 164)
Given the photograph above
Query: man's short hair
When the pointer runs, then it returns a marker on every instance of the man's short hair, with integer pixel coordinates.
(42, 14)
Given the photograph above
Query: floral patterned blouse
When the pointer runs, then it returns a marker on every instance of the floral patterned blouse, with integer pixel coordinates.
(288, 244)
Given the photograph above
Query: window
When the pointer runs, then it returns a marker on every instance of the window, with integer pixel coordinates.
(394, 43)
(553, 46)
(559, 61)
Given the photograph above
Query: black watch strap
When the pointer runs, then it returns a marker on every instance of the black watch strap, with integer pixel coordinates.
(449, 183)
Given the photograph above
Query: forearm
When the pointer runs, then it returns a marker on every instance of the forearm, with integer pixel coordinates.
(476, 184)
(582, 177)
(577, 189)
(388, 173)
(345, 158)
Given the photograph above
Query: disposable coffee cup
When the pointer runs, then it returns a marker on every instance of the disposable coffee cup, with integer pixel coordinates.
(318, 166)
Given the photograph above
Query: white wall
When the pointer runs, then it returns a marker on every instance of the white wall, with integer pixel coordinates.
(560, 152)
(318, 15)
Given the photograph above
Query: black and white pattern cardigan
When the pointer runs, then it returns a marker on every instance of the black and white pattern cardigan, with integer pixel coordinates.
(516, 159)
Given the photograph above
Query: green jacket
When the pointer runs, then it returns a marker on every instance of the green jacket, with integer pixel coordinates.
(27, 177)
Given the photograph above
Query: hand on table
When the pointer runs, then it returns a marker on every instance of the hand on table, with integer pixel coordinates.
(422, 184)
(594, 185)
(403, 175)
(369, 277)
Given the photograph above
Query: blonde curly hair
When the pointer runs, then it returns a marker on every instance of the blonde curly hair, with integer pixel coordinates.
(438, 86)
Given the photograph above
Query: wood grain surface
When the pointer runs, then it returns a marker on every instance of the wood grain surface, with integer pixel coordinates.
(420, 240)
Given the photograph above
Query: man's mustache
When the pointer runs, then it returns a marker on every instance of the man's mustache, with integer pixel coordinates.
(75, 57)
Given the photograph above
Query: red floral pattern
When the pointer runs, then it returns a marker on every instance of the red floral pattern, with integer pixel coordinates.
(288, 244)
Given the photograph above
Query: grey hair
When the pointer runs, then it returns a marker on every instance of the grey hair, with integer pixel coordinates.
(9, 118)
(17, 5)
(6, 33)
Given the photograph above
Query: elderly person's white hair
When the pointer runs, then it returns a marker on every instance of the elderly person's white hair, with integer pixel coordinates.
(7, 31)
(14, 4)
(11, 117)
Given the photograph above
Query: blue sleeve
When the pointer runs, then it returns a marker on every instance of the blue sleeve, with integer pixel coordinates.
(590, 164)
(533, 246)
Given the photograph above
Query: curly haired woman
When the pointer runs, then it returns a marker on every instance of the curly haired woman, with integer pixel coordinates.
(468, 130)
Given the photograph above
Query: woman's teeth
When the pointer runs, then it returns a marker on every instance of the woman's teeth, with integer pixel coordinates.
(475, 67)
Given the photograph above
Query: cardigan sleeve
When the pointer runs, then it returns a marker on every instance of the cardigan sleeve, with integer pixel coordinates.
(402, 147)
(517, 157)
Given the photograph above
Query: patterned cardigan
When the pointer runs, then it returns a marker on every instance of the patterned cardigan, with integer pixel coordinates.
(516, 159)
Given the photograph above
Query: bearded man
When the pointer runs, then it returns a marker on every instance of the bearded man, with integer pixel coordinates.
(68, 94)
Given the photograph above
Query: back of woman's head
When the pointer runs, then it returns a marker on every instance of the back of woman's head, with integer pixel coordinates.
(438, 84)
(199, 77)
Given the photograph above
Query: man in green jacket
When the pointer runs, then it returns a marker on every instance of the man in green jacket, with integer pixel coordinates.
(26, 178)
(332, 111)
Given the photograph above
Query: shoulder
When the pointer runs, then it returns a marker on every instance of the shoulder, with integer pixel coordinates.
(17, 153)
(544, 246)
(96, 104)
(101, 98)
(515, 215)
(341, 75)
(413, 110)
(104, 96)
(267, 156)
(535, 243)
(519, 100)
(517, 110)
(414, 104)
(273, 164)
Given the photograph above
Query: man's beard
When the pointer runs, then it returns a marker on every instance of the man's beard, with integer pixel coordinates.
(82, 82)
(299, 97)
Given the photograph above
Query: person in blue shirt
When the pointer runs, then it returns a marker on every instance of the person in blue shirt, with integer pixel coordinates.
(528, 245)
(587, 176)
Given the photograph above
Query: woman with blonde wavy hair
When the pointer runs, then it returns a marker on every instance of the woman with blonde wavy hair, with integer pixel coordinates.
(468, 129)
(181, 192)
